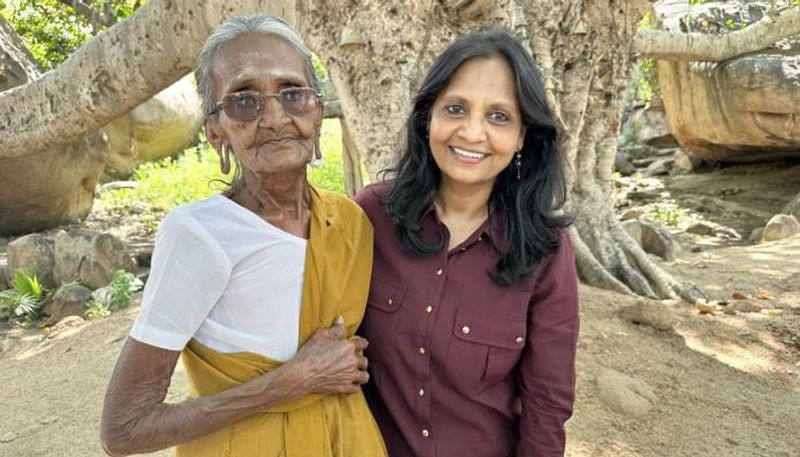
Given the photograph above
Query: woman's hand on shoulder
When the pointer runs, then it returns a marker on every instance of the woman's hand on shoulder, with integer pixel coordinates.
(330, 363)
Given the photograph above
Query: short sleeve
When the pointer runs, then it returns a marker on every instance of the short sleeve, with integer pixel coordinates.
(188, 273)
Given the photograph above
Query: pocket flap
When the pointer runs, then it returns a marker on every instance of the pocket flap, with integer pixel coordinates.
(385, 296)
(484, 327)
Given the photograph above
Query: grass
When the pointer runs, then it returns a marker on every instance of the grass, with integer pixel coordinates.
(194, 174)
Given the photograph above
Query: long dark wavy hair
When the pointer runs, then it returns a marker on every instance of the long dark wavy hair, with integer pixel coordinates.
(527, 206)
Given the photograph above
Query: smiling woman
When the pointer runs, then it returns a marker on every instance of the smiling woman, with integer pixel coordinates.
(473, 309)
(244, 286)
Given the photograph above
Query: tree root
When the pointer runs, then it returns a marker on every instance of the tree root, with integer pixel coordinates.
(628, 270)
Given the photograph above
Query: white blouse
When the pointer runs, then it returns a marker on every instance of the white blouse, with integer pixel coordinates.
(224, 276)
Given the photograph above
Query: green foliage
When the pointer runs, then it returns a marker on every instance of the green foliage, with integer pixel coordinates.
(96, 310)
(26, 296)
(328, 174)
(53, 30)
(195, 175)
(319, 68)
(123, 285)
(167, 183)
(668, 213)
(648, 84)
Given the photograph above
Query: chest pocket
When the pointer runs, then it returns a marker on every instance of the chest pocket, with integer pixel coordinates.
(385, 296)
(484, 348)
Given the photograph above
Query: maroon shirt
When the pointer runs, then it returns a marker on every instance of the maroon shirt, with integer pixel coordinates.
(459, 365)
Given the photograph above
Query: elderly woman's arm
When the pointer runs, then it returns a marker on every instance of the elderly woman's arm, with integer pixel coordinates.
(136, 419)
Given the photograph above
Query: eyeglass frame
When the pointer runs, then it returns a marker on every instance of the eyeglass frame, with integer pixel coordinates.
(262, 101)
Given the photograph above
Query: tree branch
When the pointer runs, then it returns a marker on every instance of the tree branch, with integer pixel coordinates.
(98, 20)
(115, 72)
(664, 45)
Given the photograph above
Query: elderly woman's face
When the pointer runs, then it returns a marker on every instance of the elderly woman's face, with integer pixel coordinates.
(275, 141)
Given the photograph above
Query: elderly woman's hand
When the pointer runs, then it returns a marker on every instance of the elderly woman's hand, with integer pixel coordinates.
(331, 364)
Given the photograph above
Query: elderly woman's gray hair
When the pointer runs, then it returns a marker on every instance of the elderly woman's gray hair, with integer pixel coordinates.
(240, 25)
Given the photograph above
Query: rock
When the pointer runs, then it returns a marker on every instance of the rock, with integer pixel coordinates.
(158, 128)
(742, 110)
(624, 394)
(33, 252)
(116, 185)
(793, 207)
(652, 238)
(686, 161)
(103, 295)
(69, 300)
(781, 226)
(622, 165)
(42, 189)
(89, 257)
(747, 306)
(653, 126)
(660, 167)
(701, 228)
(756, 235)
(647, 312)
(633, 213)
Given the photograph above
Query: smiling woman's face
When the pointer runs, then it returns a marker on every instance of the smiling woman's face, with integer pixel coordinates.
(275, 141)
(476, 124)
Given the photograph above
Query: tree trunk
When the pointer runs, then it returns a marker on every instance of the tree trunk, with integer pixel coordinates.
(697, 46)
(377, 52)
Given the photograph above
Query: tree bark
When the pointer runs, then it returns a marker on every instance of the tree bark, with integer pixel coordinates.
(115, 72)
(376, 53)
(664, 45)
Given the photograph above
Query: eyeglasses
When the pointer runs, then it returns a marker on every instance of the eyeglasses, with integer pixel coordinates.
(248, 105)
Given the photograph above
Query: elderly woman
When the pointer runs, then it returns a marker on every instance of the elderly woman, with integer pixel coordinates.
(240, 281)
(473, 311)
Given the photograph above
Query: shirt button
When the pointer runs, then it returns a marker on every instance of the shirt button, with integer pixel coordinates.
(421, 392)
(429, 309)
(426, 433)
(422, 351)
(439, 272)
(389, 301)
(519, 340)
(465, 330)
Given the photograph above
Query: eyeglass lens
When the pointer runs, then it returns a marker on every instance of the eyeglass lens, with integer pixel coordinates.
(248, 105)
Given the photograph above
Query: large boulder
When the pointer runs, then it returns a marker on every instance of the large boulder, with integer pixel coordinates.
(32, 252)
(158, 128)
(741, 110)
(42, 189)
(89, 257)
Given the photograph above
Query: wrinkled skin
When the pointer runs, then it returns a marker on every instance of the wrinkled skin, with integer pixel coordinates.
(136, 419)
(273, 151)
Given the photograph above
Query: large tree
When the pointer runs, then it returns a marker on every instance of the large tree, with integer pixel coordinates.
(377, 52)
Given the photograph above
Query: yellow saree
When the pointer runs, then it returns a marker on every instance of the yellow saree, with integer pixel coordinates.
(336, 282)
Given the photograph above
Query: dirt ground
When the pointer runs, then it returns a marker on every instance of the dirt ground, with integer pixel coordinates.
(721, 384)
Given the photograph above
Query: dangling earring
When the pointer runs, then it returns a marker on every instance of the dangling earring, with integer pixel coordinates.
(225, 159)
(519, 165)
(317, 156)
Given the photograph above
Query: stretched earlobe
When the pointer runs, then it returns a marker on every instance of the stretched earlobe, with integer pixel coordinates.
(225, 159)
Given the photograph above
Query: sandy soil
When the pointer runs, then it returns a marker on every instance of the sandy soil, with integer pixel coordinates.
(723, 384)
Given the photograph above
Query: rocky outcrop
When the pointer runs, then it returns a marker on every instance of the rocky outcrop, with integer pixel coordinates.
(42, 189)
(33, 253)
(89, 257)
(744, 109)
(158, 128)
